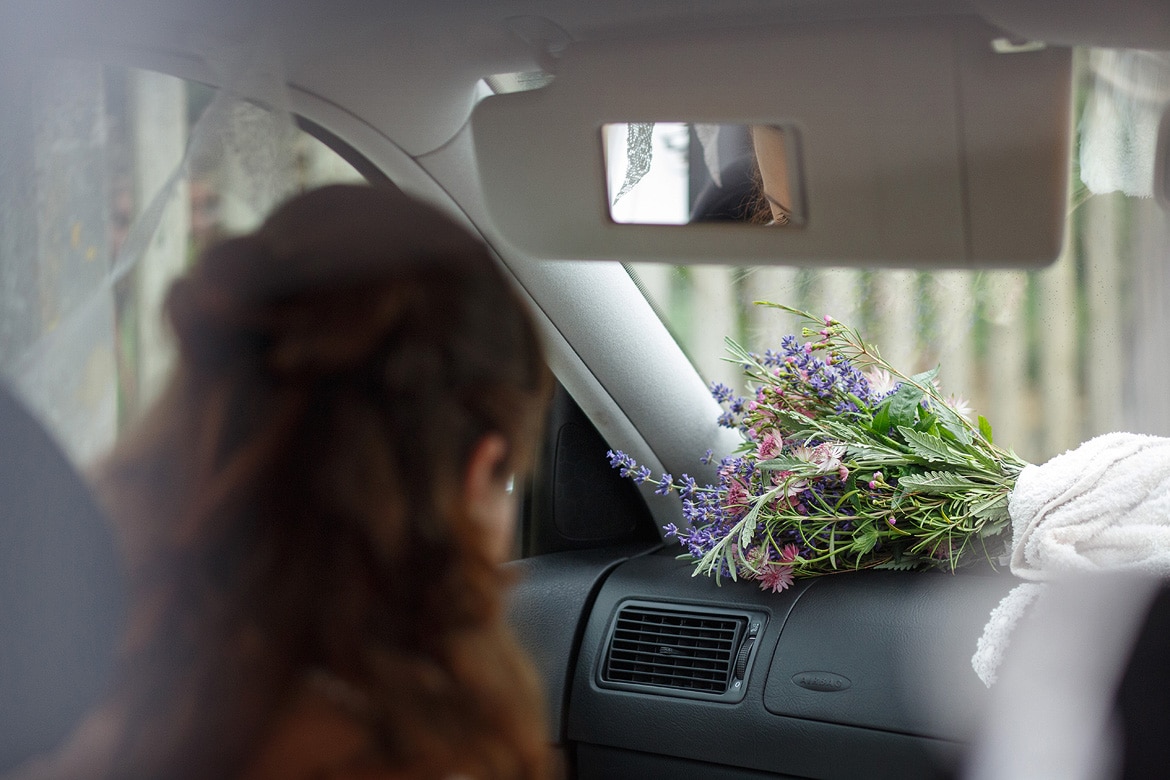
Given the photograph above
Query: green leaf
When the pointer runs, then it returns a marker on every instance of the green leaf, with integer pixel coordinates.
(994, 528)
(746, 527)
(926, 421)
(864, 541)
(729, 559)
(856, 452)
(905, 564)
(709, 562)
(738, 353)
(986, 461)
(903, 405)
(993, 508)
(746, 532)
(926, 378)
(950, 421)
(935, 482)
(985, 429)
(783, 463)
(881, 420)
(932, 448)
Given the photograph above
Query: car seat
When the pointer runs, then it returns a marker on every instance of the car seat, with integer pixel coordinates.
(62, 591)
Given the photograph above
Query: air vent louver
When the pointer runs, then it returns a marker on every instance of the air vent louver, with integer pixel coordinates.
(691, 651)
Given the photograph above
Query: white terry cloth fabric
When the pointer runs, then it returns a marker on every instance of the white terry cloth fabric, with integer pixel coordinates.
(1102, 506)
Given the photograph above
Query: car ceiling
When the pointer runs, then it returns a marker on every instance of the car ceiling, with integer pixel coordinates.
(429, 57)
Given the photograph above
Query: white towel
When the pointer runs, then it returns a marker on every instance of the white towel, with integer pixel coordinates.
(1102, 506)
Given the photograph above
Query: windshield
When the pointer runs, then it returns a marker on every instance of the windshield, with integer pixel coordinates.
(1050, 357)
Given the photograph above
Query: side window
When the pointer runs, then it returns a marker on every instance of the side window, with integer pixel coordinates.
(111, 181)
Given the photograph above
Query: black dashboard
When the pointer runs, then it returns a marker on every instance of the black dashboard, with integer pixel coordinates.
(859, 674)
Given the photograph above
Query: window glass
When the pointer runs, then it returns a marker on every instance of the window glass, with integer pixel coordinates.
(1051, 357)
(111, 181)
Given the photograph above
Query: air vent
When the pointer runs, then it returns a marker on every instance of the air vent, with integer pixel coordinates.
(691, 651)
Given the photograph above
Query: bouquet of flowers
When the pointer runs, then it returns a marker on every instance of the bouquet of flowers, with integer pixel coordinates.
(846, 463)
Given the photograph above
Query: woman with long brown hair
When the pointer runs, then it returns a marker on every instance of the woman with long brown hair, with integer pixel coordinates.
(315, 511)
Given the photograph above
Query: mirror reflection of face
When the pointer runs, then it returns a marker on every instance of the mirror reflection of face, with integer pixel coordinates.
(677, 173)
(772, 155)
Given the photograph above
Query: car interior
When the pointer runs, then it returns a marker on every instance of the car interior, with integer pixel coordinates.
(929, 149)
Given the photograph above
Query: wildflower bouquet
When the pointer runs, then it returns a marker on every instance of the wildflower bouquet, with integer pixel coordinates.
(846, 463)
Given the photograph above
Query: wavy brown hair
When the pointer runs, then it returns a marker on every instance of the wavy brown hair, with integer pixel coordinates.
(292, 504)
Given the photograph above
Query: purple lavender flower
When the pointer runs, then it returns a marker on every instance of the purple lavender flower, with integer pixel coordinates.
(664, 485)
(721, 392)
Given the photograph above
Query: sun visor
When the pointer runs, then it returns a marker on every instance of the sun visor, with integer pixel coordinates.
(916, 143)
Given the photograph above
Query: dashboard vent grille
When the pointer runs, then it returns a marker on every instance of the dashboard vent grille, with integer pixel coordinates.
(692, 651)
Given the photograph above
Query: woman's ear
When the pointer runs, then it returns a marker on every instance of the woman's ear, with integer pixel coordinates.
(488, 496)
